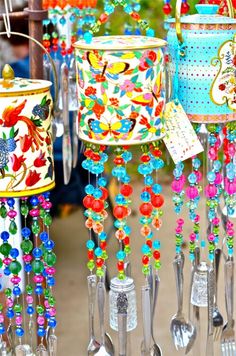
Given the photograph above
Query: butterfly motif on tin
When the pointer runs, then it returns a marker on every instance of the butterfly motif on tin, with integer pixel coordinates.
(118, 129)
(148, 99)
(105, 69)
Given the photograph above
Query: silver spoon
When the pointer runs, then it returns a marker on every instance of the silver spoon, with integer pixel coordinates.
(155, 349)
(106, 348)
(93, 345)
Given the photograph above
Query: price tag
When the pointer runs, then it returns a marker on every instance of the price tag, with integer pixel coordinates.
(181, 139)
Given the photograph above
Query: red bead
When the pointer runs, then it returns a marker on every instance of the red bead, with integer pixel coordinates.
(156, 255)
(125, 147)
(185, 8)
(118, 161)
(104, 193)
(103, 245)
(145, 260)
(95, 157)
(149, 243)
(102, 148)
(120, 265)
(87, 201)
(167, 9)
(103, 18)
(145, 158)
(99, 262)
(63, 52)
(126, 240)
(97, 205)
(126, 190)
(157, 200)
(90, 255)
(157, 153)
(120, 212)
(148, 189)
(88, 152)
(146, 209)
(135, 16)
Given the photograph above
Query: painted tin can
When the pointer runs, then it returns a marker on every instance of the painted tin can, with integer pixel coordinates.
(120, 89)
(206, 71)
(26, 150)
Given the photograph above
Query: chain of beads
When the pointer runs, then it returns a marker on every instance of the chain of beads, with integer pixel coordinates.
(167, 8)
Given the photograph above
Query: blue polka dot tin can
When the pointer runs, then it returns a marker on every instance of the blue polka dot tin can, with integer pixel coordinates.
(206, 64)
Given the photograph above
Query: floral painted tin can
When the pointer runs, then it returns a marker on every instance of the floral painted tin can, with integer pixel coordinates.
(206, 71)
(26, 151)
(120, 89)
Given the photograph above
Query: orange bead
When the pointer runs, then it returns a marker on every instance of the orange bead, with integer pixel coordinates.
(145, 230)
(98, 228)
(89, 223)
(120, 234)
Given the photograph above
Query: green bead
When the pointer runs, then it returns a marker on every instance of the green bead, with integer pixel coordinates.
(29, 289)
(157, 264)
(37, 266)
(51, 301)
(5, 249)
(104, 255)
(24, 210)
(15, 267)
(121, 275)
(40, 309)
(216, 230)
(211, 128)
(127, 250)
(35, 227)
(8, 292)
(90, 265)
(50, 258)
(47, 220)
(47, 293)
(42, 213)
(27, 246)
(3, 212)
(160, 212)
(100, 272)
(13, 227)
(17, 308)
(211, 247)
(145, 270)
(1, 307)
(1, 263)
(149, 254)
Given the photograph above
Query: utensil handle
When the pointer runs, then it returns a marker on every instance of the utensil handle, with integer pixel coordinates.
(92, 284)
(218, 253)
(178, 265)
(101, 293)
(122, 333)
(64, 85)
(229, 289)
(146, 311)
(211, 292)
(156, 289)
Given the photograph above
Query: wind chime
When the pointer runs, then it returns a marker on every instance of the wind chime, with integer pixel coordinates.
(26, 176)
(117, 110)
(204, 67)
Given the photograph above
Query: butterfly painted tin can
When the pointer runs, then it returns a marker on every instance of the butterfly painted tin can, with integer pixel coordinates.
(206, 64)
(120, 89)
(26, 148)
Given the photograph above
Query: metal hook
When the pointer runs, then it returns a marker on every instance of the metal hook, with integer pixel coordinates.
(6, 17)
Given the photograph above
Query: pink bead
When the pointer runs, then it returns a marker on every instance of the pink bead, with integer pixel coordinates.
(198, 174)
(229, 224)
(9, 302)
(24, 198)
(177, 186)
(192, 237)
(230, 232)
(197, 219)
(34, 212)
(18, 320)
(231, 188)
(182, 179)
(52, 311)
(7, 260)
(231, 149)
(210, 191)
(51, 270)
(212, 154)
(216, 221)
(48, 205)
(27, 258)
(211, 237)
(40, 320)
(41, 199)
(12, 214)
(178, 230)
(29, 299)
(3, 200)
(1, 318)
(219, 178)
(15, 280)
(38, 279)
(180, 222)
(191, 192)
(46, 304)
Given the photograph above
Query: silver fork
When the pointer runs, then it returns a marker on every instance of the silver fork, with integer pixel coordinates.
(217, 317)
(228, 336)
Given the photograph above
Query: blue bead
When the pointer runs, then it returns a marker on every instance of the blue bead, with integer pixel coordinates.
(47, 315)
(120, 255)
(62, 21)
(98, 251)
(177, 173)
(180, 165)
(156, 244)
(104, 157)
(120, 200)
(145, 196)
(150, 32)
(5, 235)
(43, 236)
(217, 165)
(89, 189)
(102, 181)
(148, 180)
(28, 268)
(25, 232)
(119, 172)
(128, 9)
(11, 202)
(126, 179)
(156, 188)
(6, 271)
(145, 249)
(16, 291)
(52, 322)
(37, 252)
(90, 244)
(30, 310)
(196, 163)
(46, 195)
(2, 329)
(230, 175)
(150, 235)
(38, 290)
(211, 176)
(127, 156)
(230, 211)
(51, 281)
(97, 193)
(137, 7)
(49, 245)
(203, 244)
(192, 178)
(14, 253)
(41, 331)
(34, 201)
(127, 229)
(157, 163)
(10, 313)
(103, 236)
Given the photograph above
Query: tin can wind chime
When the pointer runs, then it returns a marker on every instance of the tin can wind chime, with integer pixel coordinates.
(121, 100)
(26, 176)
(202, 61)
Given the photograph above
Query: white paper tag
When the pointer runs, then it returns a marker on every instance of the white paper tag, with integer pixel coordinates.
(181, 139)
